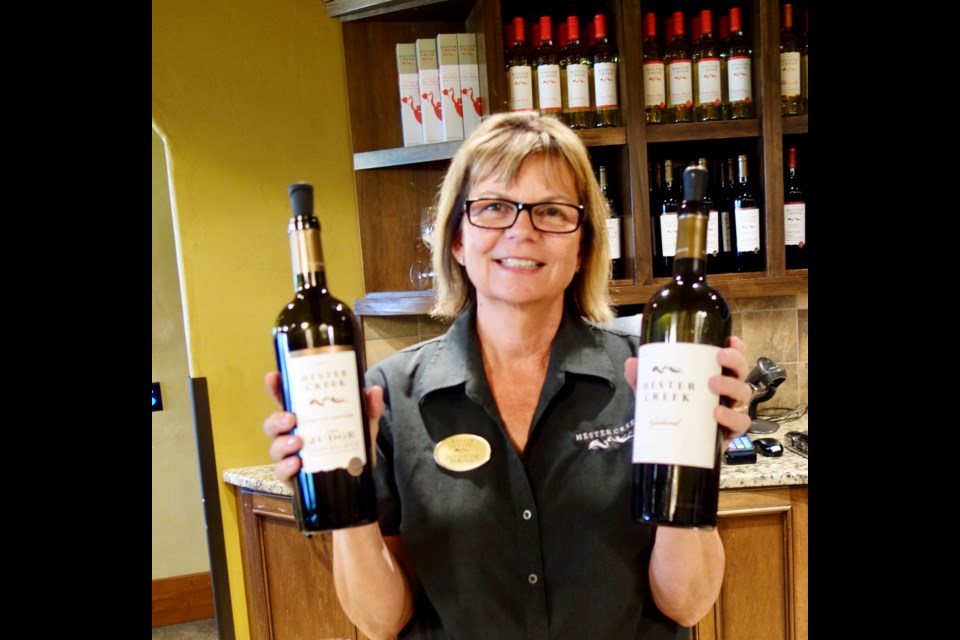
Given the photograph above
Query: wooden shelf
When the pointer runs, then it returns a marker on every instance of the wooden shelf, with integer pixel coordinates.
(703, 130)
(794, 124)
(446, 150)
(405, 155)
(730, 285)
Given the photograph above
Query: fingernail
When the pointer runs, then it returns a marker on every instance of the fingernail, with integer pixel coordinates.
(290, 442)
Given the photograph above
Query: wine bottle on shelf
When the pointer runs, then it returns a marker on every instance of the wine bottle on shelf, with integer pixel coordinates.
(677, 443)
(706, 67)
(713, 221)
(790, 100)
(794, 216)
(316, 341)
(517, 61)
(804, 50)
(666, 222)
(748, 236)
(654, 86)
(723, 43)
(678, 60)
(656, 187)
(739, 70)
(614, 228)
(546, 71)
(725, 177)
(605, 59)
(576, 79)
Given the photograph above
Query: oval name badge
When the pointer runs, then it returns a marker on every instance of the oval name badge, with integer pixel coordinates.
(462, 452)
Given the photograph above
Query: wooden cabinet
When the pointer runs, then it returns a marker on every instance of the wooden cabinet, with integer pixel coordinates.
(393, 183)
(290, 592)
(289, 577)
(764, 593)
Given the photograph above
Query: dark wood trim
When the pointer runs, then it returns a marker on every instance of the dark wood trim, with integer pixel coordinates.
(210, 492)
(182, 599)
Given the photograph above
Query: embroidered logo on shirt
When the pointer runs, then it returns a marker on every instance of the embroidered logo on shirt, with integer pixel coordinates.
(606, 438)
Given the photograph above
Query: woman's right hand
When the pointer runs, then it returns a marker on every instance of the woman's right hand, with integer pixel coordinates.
(285, 446)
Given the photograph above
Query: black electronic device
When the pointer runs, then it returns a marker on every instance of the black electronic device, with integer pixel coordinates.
(768, 446)
(741, 451)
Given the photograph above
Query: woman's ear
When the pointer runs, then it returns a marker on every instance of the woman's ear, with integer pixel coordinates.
(456, 249)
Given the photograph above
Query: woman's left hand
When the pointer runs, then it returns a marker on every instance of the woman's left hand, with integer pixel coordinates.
(730, 414)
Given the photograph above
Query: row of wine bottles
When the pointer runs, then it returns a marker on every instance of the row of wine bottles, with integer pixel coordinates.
(709, 76)
(736, 225)
(704, 78)
(575, 81)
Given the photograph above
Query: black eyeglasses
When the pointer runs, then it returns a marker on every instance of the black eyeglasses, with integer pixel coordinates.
(552, 217)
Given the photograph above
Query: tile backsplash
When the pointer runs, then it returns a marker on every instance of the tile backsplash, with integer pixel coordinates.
(774, 327)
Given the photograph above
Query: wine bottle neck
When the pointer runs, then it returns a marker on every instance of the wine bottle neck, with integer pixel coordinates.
(690, 259)
(306, 252)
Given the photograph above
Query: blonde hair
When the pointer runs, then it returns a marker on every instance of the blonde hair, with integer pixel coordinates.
(500, 145)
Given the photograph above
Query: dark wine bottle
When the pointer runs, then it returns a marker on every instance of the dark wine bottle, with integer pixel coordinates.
(321, 365)
(725, 201)
(794, 216)
(665, 225)
(677, 442)
(748, 236)
(713, 223)
(614, 228)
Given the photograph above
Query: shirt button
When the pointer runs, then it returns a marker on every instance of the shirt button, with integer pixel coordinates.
(532, 578)
(527, 514)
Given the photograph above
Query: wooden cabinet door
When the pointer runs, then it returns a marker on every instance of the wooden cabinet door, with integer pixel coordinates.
(290, 592)
(764, 593)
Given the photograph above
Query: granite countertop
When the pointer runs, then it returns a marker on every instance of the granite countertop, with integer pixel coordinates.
(788, 469)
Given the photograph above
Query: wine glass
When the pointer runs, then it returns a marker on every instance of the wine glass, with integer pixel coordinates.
(421, 270)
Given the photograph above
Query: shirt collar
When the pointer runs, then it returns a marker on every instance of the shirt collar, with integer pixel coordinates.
(577, 349)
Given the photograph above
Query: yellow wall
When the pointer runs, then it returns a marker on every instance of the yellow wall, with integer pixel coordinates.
(250, 96)
(179, 534)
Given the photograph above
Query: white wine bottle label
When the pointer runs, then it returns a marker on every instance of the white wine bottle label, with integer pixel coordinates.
(605, 79)
(794, 223)
(708, 73)
(790, 73)
(739, 78)
(654, 89)
(613, 237)
(521, 88)
(323, 394)
(578, 87)
(713, 242)
(748, 229)
(681, 82)
(548, 85)
(668, 233)
(673, 421)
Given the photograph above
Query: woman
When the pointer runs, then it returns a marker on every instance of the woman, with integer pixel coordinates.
(537, 541)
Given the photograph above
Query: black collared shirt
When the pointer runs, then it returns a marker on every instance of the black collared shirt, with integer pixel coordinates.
(535, 545)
